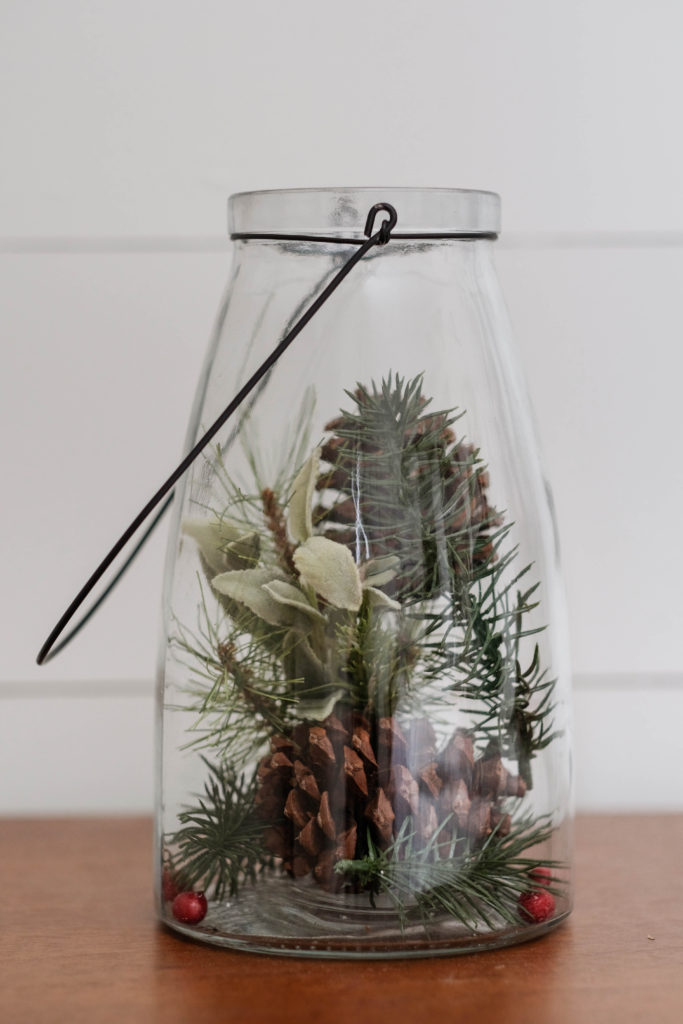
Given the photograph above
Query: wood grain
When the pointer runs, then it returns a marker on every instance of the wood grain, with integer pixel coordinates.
(79, 943)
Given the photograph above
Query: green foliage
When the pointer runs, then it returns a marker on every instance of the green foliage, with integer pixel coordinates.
(417, 493)
(370, 574)
(458, 613)
(421, 494)
(234, 689)
(219, 844)
(469, 884)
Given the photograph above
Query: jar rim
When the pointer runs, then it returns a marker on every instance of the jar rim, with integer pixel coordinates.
(342, 212)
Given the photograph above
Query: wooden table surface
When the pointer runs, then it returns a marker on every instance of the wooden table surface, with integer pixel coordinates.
(79, 943)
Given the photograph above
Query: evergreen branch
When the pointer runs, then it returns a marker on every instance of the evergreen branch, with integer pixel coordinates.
(220, 843)
(423, 497)
(235, 689)
(466, 883)
(450, 622)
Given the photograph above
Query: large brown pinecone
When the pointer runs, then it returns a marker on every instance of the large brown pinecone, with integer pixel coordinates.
(404, 490)
(324, 787)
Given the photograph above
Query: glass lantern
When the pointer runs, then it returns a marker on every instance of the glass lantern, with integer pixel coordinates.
(363, 677)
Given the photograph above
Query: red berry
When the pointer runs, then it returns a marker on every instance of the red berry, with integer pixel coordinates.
(541, 876)
(536, 905)
(169, 886)
(189, 907)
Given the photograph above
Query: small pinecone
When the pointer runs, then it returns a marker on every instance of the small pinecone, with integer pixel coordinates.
(327, 785)
(410, 483)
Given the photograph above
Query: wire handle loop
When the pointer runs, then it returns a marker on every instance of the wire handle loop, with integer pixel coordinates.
(51, 648)
(387, 226)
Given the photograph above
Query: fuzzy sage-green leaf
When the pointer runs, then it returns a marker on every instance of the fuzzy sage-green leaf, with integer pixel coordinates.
(329, 569)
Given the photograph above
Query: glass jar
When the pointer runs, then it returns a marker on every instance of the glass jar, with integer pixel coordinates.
(363, 678)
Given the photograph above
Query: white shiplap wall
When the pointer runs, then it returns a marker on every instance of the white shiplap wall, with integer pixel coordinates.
(124, 128)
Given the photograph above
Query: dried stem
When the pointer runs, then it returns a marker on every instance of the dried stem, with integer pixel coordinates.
(275, 521)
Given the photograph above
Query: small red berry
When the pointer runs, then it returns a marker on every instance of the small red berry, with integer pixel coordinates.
(536, 905)
(169, 886)
(541, 876)
(189, 907)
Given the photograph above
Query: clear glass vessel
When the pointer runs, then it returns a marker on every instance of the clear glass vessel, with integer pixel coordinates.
(363, 681)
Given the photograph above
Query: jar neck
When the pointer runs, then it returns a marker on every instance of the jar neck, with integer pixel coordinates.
(341, 214)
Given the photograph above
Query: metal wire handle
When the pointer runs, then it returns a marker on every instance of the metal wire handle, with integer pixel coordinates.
(51, 648)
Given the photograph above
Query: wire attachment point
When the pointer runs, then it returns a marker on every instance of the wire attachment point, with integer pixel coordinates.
(386, 226)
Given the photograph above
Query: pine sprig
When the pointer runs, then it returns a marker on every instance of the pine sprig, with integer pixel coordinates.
(381, 664)
(241, 689)
(235, 688)
(470, 885)
(219, 845)
(270, 467)
(422, 494)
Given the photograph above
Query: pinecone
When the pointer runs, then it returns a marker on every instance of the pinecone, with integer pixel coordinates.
(327, 785)
(400, 482)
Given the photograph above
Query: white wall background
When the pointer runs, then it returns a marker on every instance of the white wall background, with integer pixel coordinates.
(125, 125)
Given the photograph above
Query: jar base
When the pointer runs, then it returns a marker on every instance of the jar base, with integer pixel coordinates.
(290, 924)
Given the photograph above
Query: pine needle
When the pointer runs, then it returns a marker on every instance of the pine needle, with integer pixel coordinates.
(469, 884)
(219, 845)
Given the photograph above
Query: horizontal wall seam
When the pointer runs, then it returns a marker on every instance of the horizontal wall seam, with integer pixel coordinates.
(77, 690)
(108, 688)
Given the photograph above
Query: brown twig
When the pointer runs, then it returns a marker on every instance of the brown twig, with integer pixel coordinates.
(275, 521)
(242, 677)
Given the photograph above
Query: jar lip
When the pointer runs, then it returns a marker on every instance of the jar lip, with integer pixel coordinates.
(342, 212)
